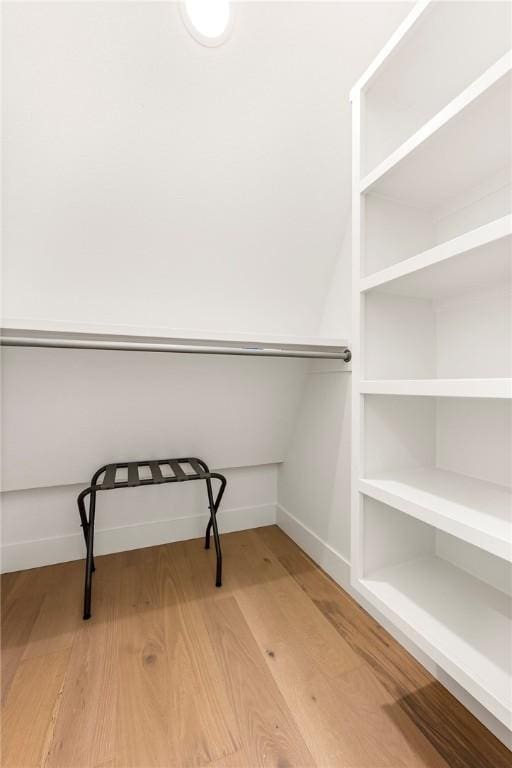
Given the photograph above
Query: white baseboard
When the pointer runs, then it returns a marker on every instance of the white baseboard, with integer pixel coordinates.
(32, 554)
(331, 561)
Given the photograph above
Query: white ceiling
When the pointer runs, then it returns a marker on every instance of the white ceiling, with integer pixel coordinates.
(150, 180)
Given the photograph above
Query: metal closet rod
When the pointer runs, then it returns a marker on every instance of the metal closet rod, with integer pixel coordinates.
(142, 346)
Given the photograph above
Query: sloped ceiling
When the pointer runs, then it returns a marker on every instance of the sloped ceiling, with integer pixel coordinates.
(150, 180)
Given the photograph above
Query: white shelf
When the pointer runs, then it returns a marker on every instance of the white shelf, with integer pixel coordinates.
(29, 328)
(444, 50)
(394, 42)
(464, 143)
(463, 624)
(488, 388)
(473, 510)
(473, 260)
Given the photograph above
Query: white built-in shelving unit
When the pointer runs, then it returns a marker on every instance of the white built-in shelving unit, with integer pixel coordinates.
(432, 342)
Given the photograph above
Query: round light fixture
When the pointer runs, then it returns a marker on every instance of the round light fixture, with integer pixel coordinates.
(208, 21)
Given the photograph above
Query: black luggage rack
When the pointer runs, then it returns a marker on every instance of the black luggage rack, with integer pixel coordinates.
(133, 479)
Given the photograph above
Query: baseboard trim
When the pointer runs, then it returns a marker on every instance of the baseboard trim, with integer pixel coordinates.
(331, 561)
(32, 554)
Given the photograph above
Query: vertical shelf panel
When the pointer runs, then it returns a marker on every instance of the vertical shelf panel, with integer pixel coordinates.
(431, 239)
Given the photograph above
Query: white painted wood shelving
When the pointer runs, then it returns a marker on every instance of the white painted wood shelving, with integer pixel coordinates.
(432, 387)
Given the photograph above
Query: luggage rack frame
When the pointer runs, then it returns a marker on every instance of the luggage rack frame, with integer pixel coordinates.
(110, 482)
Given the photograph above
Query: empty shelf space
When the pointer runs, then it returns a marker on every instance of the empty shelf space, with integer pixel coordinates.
(462, 623)
(473, 510)
(463, 144)
(486, 388)
(472, 261)
(407, 85)
(449, 323)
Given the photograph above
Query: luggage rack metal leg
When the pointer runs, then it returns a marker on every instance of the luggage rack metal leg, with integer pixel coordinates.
(212, 523)
(109, 482)
(88, 528)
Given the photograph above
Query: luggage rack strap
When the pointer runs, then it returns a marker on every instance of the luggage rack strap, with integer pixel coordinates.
(133, 479)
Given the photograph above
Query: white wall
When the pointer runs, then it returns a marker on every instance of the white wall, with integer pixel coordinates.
(150, 181)
(41, 525)
(314, 480)
(67, 412)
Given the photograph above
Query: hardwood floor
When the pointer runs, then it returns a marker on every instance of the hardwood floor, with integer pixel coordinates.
(279, 668)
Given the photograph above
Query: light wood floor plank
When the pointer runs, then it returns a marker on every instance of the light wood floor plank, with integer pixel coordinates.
(460, 738)
(84, 735)
(7, 585)
(276, 603)
(320, 676)
(269, 734)
(236, 760)
(143, 675)
(278, 668)
(24, 617)
(203, 728)
(375, 732)
(18, 618)
(194, 571)
(32, 707)
(59, 616)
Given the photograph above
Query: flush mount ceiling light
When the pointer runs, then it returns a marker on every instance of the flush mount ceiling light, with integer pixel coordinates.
(208, 21)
